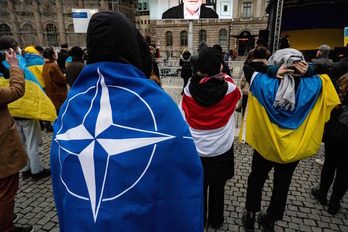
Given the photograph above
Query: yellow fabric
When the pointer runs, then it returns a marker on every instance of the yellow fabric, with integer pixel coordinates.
(31, 49)
(34, 104)
(286, 145)
(37, 71)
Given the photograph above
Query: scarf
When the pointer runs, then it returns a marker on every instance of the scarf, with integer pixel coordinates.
(285, 96)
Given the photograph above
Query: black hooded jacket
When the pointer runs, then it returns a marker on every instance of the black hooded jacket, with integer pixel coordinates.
(112, 37)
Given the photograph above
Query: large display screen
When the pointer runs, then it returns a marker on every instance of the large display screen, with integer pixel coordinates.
(191, 9)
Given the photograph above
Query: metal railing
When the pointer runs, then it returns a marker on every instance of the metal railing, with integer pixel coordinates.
(170, 68)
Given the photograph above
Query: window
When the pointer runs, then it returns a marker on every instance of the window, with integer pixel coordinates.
(202, 35)
(223, 37)
(140, 6)
(246, 9)
(52, 36)
(4, 30)
(27, 35)
(145, 6)
(169, 38)
(183, 38)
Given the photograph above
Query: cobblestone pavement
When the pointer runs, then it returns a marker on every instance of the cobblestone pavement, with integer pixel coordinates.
(35, 204)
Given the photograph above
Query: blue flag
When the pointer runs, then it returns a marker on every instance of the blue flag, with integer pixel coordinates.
(122, 157)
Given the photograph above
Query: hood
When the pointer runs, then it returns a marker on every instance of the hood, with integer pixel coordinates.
(112, 37)
(186, 56)
(202, 45)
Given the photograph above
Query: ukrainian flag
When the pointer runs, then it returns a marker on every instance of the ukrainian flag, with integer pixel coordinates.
(34, 63)
(68, 61)
(35, 104)
(286, 136)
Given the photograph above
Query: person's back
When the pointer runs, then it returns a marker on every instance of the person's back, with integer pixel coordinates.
(194, 58)
(75, 67)
(62, 56)
(121, 154)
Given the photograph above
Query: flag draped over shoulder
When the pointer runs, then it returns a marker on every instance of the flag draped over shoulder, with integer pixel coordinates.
(122, 157)
(35, 64)
(283, 136)
(212, 127)
(34, 104)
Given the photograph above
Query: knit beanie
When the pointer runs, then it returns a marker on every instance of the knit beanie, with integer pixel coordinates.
(76, 52)
(209, 61)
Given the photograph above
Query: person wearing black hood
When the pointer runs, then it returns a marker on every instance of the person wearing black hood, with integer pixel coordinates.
(76, 65)
(208, 106)
(225, 68)
(186, 70)
(122, 156)
(194, 58)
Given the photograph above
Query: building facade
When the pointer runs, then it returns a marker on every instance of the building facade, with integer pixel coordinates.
(238, 33)
(50, 23)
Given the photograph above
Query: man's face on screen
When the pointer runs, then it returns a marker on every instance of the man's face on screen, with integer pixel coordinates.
(192, 5)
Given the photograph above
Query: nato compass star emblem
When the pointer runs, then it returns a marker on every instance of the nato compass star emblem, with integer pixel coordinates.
(109, 146)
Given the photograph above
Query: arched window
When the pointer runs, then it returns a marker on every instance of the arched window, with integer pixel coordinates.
(5, 30)
(223, 37)
(202, 35)
(183, 38)
(52, 35)
(28, 35)
(169, 38)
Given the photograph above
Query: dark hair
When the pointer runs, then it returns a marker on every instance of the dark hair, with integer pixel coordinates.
(48, 53)
(218, 47)
(76, 52)
(260, 52)
(65, 45)
(261, 41)
(39, 49)
(287, 36)
(8, 42)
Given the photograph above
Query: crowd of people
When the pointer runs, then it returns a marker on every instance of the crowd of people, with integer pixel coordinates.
(117, 156)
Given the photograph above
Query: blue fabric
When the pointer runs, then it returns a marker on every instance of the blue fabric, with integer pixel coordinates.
(264, 89)
(29, 76)
(33, 59)
(157, 187)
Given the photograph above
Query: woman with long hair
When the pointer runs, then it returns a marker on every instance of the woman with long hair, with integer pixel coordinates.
(55, 81)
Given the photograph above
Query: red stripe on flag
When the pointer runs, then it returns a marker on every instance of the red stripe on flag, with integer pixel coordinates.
(212, 117)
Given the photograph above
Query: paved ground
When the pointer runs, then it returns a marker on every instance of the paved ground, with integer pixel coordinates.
(35, 205)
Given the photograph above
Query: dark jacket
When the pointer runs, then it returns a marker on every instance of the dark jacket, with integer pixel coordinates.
(321, 60)
(73, 70)
(62, 56)
(225, 68)
(194, 58)
(185, 62)
(177, 12)
(331, 126)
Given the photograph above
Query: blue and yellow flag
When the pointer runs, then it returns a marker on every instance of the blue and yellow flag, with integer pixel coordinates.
(68, 61)
(35, 104)
(34, 63)
(123, 158)
(286, 136)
